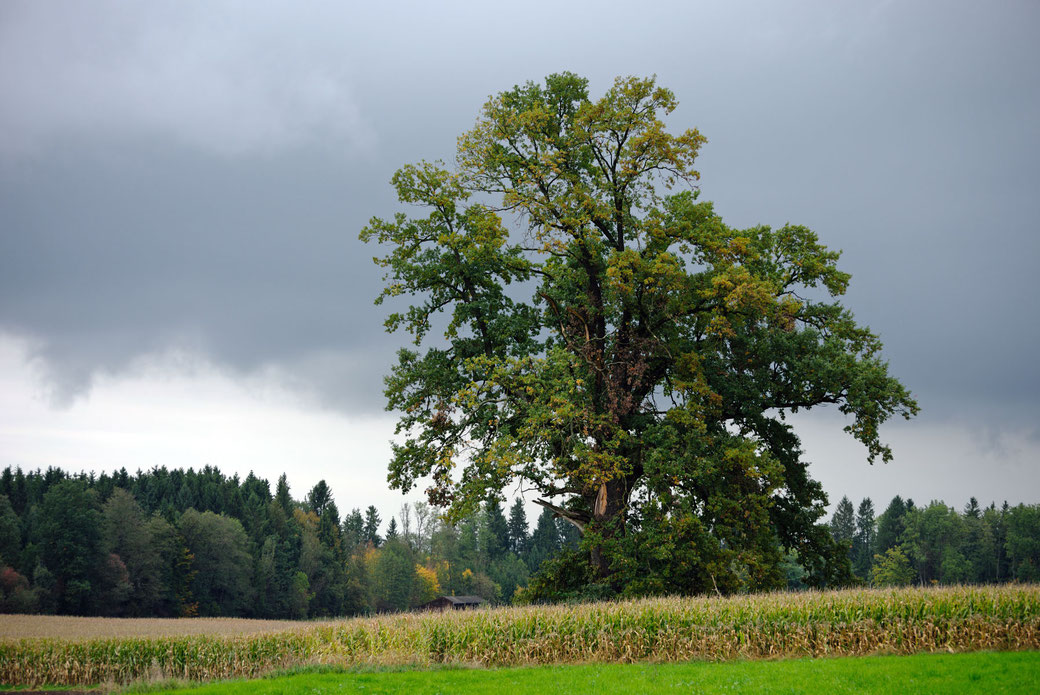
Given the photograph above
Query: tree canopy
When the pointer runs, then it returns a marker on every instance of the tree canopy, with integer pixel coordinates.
(611, 343)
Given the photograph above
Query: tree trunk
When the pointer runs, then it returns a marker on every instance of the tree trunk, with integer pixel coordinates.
(608, 520)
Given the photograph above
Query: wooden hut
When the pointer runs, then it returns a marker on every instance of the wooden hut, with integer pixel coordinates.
(457, 603)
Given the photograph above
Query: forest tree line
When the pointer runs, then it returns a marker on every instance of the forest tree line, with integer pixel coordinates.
(936, 544)
(186, 543)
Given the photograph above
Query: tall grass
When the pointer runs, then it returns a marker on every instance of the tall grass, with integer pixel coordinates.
(844, 623)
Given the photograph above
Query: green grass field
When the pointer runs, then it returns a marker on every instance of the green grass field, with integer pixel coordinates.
(979, 672)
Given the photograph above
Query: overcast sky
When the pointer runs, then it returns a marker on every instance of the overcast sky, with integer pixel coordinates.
(182, 185)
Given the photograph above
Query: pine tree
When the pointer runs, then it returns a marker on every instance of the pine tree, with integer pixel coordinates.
(545, 541)
(319, 497)
(891, 525)
(518, 539)
(353, 529)
(372, 521)
(864, 541)
(391, 530)
(281, 495)
(10, 534)
(496, 531)
(843, 523)
(470, 551)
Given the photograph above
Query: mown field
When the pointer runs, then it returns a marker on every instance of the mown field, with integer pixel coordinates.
(840, 623)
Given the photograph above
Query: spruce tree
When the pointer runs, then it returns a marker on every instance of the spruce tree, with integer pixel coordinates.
(496, 530)
(891, 525)
(10, 533)
(843, 523)
(319, 497)
(518, 538)
(864, 541)
(372, 521)
(545, 541)
(281, 495)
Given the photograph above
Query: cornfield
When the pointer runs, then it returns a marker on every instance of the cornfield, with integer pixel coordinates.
(837, 623)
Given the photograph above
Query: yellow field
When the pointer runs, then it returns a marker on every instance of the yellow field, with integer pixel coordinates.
(838, 623)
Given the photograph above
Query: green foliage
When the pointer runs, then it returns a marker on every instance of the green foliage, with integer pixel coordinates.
(892, 569)
(127, 534)
(891, 524)
(794, 573)
(303, 564)
(865, 539)
(391, 530)
(221, 563)
(517, 530)
(1023, 542)
(510, 573)
(321, 562)
(319, 498)
(300, 595)
(282, 495)
(843, 523)
(45, 585)
(932, 539)
(353, 529)
(370, 534)
(10, 533)
(395, 577)
(479, 584)
(544, 542)
(496, 536)
(69, 533)
(16, 596)
(661, 349)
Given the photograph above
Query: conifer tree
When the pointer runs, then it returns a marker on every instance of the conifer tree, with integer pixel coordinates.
(353, 529)
(545, 541)
(864, 541)
(496, 531)
(518, 538)
(843, 523)
(371, 532)
(891, 525)
(281, 495)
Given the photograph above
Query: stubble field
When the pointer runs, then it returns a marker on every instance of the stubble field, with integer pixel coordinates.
(17, 627)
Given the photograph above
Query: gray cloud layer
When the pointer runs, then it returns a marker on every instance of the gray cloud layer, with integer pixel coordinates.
(196, 174)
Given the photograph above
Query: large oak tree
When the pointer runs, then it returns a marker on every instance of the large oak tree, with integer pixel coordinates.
(609, 342)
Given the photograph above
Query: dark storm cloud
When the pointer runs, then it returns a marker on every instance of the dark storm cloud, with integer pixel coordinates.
(197, 174)
(250, 264)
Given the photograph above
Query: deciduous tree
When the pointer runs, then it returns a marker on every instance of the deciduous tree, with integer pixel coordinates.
(69, 534)
(659, 353)
(221, 563)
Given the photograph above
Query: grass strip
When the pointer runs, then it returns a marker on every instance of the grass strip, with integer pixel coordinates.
(979, 672)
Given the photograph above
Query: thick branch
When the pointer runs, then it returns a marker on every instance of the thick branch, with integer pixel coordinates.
(577, 518)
